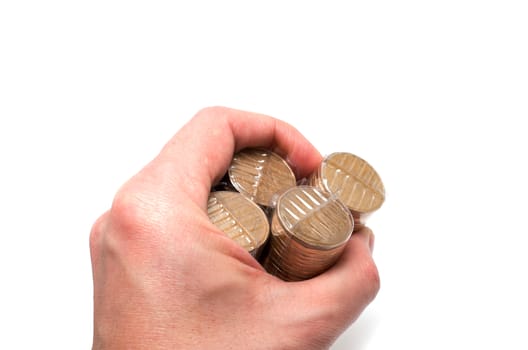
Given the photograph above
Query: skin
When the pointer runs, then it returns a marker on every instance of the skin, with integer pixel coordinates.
(166, 278)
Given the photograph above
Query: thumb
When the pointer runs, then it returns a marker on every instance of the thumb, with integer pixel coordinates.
(347, 288)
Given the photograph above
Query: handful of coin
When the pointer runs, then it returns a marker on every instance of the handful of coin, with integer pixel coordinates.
(310, 224)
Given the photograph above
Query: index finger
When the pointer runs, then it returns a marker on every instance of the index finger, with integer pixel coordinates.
(204, 147)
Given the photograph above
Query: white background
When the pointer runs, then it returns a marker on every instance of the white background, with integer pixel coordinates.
(432, 93)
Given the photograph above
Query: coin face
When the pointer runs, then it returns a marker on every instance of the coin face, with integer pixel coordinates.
(260, 175)
(309, 230)
(240, 219)
(315, 218)
(353, 180)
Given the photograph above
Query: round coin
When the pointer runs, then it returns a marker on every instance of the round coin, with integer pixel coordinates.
(260, 175)
(240, 219)
(353, 181)
(309, 230)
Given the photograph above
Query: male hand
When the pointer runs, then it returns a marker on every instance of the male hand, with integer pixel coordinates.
(166, 278)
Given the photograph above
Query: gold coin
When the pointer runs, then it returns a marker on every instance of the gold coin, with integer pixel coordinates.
(260, 175)
(309, 230)
(353, 181)
(240, 219)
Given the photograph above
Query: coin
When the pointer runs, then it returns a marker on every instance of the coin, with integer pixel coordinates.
(260, 175)
(354, 181)
(309, 230)
(240, 219)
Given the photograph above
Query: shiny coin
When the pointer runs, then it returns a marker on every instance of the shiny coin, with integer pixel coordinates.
(260, 175)
(240, 219)
(353, 181)
(309, 230)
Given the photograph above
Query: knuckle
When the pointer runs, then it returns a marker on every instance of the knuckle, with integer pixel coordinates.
(97, 230)
(211, 111)
(128, 214)
(216, 113)
(371, 279)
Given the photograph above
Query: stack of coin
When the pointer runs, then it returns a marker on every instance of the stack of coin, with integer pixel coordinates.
(240, 219)
(309, 230)
(260, 175)
(251, 185)
(310, 224)
(353, 181)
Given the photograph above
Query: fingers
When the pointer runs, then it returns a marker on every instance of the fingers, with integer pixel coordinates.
(356, 269)
(350, 285)
(202, 150)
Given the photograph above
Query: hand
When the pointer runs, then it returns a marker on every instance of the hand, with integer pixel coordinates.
(166, 278)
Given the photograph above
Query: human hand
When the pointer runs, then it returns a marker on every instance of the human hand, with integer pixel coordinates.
(166, 278)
